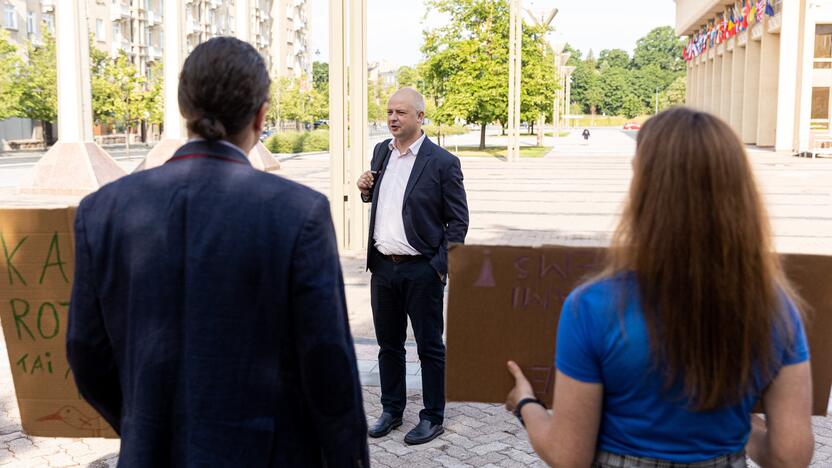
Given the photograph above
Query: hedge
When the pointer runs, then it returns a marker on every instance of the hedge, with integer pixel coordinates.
(298, 142)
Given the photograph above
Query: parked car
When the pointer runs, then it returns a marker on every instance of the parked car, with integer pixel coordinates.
(632, 126)
(321, 124)
(266, 134)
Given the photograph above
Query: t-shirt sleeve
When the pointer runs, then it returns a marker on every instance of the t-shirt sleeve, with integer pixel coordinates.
(576, 354)
(798, 351)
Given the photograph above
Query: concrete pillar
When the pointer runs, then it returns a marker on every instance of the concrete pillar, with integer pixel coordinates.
(725, 99)
(243, 19)
(358, 215)
(707, 88)
(716, 85)
(703, 83)
(174, 134)
(737, 83)
(688, 84)
(769, 84)
(338, 105)
(75, 165)
(807, 42)
(788, 98)
(751, 88)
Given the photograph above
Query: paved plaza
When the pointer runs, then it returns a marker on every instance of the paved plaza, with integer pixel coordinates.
(573, 195)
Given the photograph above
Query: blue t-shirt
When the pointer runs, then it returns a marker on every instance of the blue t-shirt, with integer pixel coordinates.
(599, 343)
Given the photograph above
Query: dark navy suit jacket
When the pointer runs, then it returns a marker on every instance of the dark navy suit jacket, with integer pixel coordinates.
(435, 210)
(208, 323)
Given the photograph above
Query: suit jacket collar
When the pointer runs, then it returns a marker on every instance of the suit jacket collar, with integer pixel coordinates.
(422, 160)
(211, 149)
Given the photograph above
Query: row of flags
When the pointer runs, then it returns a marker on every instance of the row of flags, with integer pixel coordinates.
(737, 19)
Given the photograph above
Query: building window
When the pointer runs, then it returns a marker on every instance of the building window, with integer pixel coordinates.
(116, 31)
(99, 30)
(820, 108)
(9, 16)
(823, 46)
(49, 20)
(31, 24)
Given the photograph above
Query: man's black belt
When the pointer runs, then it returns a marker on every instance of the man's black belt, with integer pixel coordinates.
(400, 258)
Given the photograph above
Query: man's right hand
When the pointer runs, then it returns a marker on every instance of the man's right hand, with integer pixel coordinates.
(365, 182)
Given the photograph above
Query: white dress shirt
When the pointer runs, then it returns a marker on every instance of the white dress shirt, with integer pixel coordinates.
(388, 233)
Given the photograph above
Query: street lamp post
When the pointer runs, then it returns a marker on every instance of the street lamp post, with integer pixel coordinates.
(515, 39)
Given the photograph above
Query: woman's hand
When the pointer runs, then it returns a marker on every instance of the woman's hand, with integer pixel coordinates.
(522, 387)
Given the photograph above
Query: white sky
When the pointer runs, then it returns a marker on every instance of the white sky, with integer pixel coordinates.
(394, 31)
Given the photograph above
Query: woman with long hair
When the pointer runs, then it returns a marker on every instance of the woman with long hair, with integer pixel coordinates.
(662, 358)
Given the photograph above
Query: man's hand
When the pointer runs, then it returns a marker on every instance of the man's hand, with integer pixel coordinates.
(365, 182)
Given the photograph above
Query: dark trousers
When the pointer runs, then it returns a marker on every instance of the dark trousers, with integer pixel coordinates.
(398, 291)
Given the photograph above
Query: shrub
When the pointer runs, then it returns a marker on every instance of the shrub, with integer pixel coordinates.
(316, 140)
(298, 142)
(447, 130)
(285, 142)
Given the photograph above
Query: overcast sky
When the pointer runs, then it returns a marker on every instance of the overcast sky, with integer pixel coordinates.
(394, 31)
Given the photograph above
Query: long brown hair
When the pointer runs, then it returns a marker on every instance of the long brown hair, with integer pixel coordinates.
(696, 234)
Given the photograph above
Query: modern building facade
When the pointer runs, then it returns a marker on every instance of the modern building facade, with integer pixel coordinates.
(763, 66)
(279, 29)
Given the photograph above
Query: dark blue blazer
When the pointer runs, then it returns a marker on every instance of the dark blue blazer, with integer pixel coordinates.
(208, 323)
(435, 210)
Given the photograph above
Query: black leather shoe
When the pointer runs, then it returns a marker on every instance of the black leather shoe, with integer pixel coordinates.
(384, 425)
(424, 432)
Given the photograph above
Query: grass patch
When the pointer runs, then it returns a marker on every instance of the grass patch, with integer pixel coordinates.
(499, 151)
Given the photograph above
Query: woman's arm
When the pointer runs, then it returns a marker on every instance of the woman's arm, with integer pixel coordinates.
(784, 438)
(566, 436)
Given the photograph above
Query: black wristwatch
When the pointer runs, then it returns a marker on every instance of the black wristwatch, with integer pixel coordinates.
(522, 403)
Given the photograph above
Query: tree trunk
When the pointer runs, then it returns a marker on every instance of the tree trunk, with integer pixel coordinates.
(540, 124)
(48, 136)
(531, 128)
(482, 137)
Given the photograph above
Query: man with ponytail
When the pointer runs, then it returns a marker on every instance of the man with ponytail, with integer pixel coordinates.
(208, 323)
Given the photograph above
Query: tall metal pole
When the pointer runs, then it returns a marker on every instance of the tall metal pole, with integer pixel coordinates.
(338, 115)
(359, 153)
(518, 69)
(512, 34)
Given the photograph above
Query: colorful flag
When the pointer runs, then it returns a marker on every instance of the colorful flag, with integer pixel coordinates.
(769, 8)
(761, 9)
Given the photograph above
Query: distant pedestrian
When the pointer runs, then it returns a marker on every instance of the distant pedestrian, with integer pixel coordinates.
(585, 134)
(208, 323)
(661, 359)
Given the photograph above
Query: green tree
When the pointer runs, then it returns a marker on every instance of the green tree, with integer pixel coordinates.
(408, 76)
(614, 84)
(156, 95)
(674, 95)
(10, 84)
(646, 81)
(122, 95)
(39, 82)
(539, 87)
(660, 47)
(613, 58)
(320, 75)
(632, 106)
(583, 78)
(575, 55)
(470, 54)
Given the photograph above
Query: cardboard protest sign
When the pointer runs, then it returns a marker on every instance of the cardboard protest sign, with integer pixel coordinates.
(504, 303)
(35, 286)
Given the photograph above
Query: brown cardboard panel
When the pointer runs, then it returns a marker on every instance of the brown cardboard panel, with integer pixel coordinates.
(38, 261)
(504, 303)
